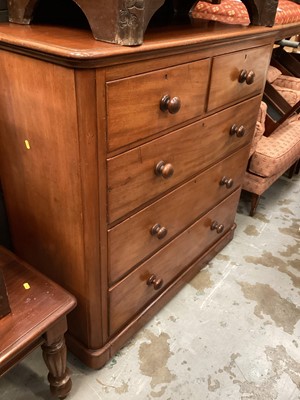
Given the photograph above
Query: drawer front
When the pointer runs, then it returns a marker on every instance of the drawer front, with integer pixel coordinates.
(173, 213)
(133, 104)
(131, 176)
(128, 297)
(225, 86)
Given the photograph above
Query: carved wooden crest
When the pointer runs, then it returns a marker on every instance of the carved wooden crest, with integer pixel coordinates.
(131, 20)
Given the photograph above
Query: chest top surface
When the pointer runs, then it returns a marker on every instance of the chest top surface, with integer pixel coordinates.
(78, 48)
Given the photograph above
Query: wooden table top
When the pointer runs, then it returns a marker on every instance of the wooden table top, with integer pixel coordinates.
(36, 304)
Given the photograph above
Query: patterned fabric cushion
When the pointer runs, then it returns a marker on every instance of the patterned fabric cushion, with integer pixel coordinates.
(289, 82)
(257, 184)
(229, 11)
(287, 86)
(235, 12)
(291, 96)
(287, 12)
(277, 152)
(273, 73)
(295, 117)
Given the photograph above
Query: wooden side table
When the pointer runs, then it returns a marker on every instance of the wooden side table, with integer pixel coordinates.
(38, 317)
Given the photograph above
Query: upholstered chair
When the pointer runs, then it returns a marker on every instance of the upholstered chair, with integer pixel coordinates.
(287, 86)
(270, 157)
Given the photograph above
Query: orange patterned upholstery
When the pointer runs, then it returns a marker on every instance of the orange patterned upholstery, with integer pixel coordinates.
(271, 156)
(291, 96)
(289, 82)
(287, 86)
(287, 12)
(256, 184)
(259, 128)
(277, 152)
(235, 12)
(273, 74)
(229, 11)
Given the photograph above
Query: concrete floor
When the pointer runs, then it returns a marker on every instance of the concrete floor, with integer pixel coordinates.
(232, 333)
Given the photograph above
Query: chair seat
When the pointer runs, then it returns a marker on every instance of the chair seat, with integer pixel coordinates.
(235, 12)
(277, 152)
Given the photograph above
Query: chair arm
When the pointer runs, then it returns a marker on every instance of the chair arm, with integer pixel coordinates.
(288, 82)
(259, 128)
(290, 95)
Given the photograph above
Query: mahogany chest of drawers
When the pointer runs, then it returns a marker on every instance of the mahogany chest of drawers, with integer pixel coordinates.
(122, 167)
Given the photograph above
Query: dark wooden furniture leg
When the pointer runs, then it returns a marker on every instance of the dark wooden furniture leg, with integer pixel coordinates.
(292, 170)
(297, 169)
(55, 357)
(254, 203)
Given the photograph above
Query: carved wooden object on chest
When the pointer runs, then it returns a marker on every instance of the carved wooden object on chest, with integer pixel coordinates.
(125, 21)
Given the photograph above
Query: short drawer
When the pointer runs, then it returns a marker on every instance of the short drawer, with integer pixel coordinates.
(134, 176)
(232, 76)
(134, 292)
(137, 237)
(134, 104)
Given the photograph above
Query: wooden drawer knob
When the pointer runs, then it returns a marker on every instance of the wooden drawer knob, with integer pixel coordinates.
(163, 169)
(159, 231)
(216, 226)
(228, 182)
(238, 131)
(172, 105)
(156, 282)
(247, 77)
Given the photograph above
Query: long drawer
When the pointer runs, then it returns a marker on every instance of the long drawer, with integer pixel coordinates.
(134, 104)
(238, 75)
(132, 179)
(149, 229)
(135, 291)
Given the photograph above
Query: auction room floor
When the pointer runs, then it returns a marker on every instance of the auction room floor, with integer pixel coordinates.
(233, 332)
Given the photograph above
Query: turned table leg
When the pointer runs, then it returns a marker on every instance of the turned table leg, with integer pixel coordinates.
(55, 357)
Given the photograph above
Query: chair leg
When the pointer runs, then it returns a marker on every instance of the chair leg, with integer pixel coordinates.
(297, 169)
(254, 203)
(292, 170)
